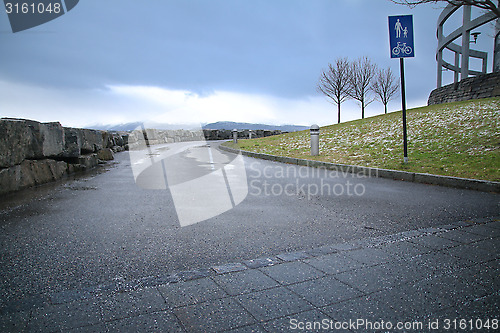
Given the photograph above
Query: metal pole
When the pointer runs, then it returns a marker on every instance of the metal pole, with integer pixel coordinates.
(403, 102)
(314, 140)
(457, 65)
(235, 136)
(440, 57)
(466, 27)
(496, 48)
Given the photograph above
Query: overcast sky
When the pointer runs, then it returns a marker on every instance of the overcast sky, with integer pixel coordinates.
(199, 61)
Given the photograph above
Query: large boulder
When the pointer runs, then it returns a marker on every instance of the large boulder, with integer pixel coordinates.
(15, 143)
(52, 136)
(30, 173)
(151, 136)
(210, 134)
(73, 138)
(105, 154)
(86, 141)
(88, 161)
(225, 134)
(40, 172)
(124, 138)
(197, 135)
(92, 141)
(112, 139)
(116, 140)
(27, 139)
(10, 179)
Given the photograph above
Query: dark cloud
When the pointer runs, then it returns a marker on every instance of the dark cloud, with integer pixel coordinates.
(266, 47)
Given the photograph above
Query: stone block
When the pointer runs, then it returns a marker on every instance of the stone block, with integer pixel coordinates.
(92, 141)
(151, 134)
(30, 173)
(27, 139)
(88, 161)
(52, 136)
(117, 140)
(40, 172)
(124, 138)
(16, 139)
(105, 154)
(73, 138)
(10, 179)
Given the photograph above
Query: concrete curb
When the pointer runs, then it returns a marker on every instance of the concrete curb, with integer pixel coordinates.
(424, 178)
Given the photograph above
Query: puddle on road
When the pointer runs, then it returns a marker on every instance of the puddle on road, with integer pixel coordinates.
(80, 187)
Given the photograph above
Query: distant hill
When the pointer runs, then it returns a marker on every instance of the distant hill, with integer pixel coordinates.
(229, 125)
(132, 126)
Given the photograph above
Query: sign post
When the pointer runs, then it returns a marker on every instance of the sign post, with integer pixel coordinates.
(402, 46)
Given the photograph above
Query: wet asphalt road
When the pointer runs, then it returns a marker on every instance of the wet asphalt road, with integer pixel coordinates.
(102, 226)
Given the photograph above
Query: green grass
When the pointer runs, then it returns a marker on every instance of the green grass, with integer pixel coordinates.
(460, 139)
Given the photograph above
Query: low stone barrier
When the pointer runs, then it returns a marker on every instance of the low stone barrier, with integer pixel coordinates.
(157, 136)
(33, 153)
(242, 134)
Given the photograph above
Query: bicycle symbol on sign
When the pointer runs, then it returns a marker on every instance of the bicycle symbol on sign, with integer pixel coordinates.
(401, 47)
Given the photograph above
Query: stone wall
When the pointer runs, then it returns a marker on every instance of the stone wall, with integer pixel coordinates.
(33, 153)
(482, 86)
(242, 134)
(156, 136)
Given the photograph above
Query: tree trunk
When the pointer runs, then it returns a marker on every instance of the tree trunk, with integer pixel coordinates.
(338, 106)
(385, 107)
(363, 109)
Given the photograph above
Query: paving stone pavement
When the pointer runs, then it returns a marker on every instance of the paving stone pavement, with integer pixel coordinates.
(445, 278)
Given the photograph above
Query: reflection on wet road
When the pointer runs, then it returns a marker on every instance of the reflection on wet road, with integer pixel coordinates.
(203, 182)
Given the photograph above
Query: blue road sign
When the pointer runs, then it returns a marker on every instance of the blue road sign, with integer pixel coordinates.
(401, 36)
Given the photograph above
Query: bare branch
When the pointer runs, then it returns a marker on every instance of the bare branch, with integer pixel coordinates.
(334, 82)
(362, 72)
(385, 86)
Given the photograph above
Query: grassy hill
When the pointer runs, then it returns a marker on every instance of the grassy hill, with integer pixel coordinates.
(459, 139)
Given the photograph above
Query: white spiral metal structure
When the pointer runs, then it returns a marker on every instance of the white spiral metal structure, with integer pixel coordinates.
(461, 64)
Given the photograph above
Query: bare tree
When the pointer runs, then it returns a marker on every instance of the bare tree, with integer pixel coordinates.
(362, 72)
(385, 86)
(334, 82)
(490, 5)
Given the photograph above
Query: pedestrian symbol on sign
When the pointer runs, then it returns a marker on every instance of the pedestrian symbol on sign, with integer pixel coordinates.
(398, 28)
